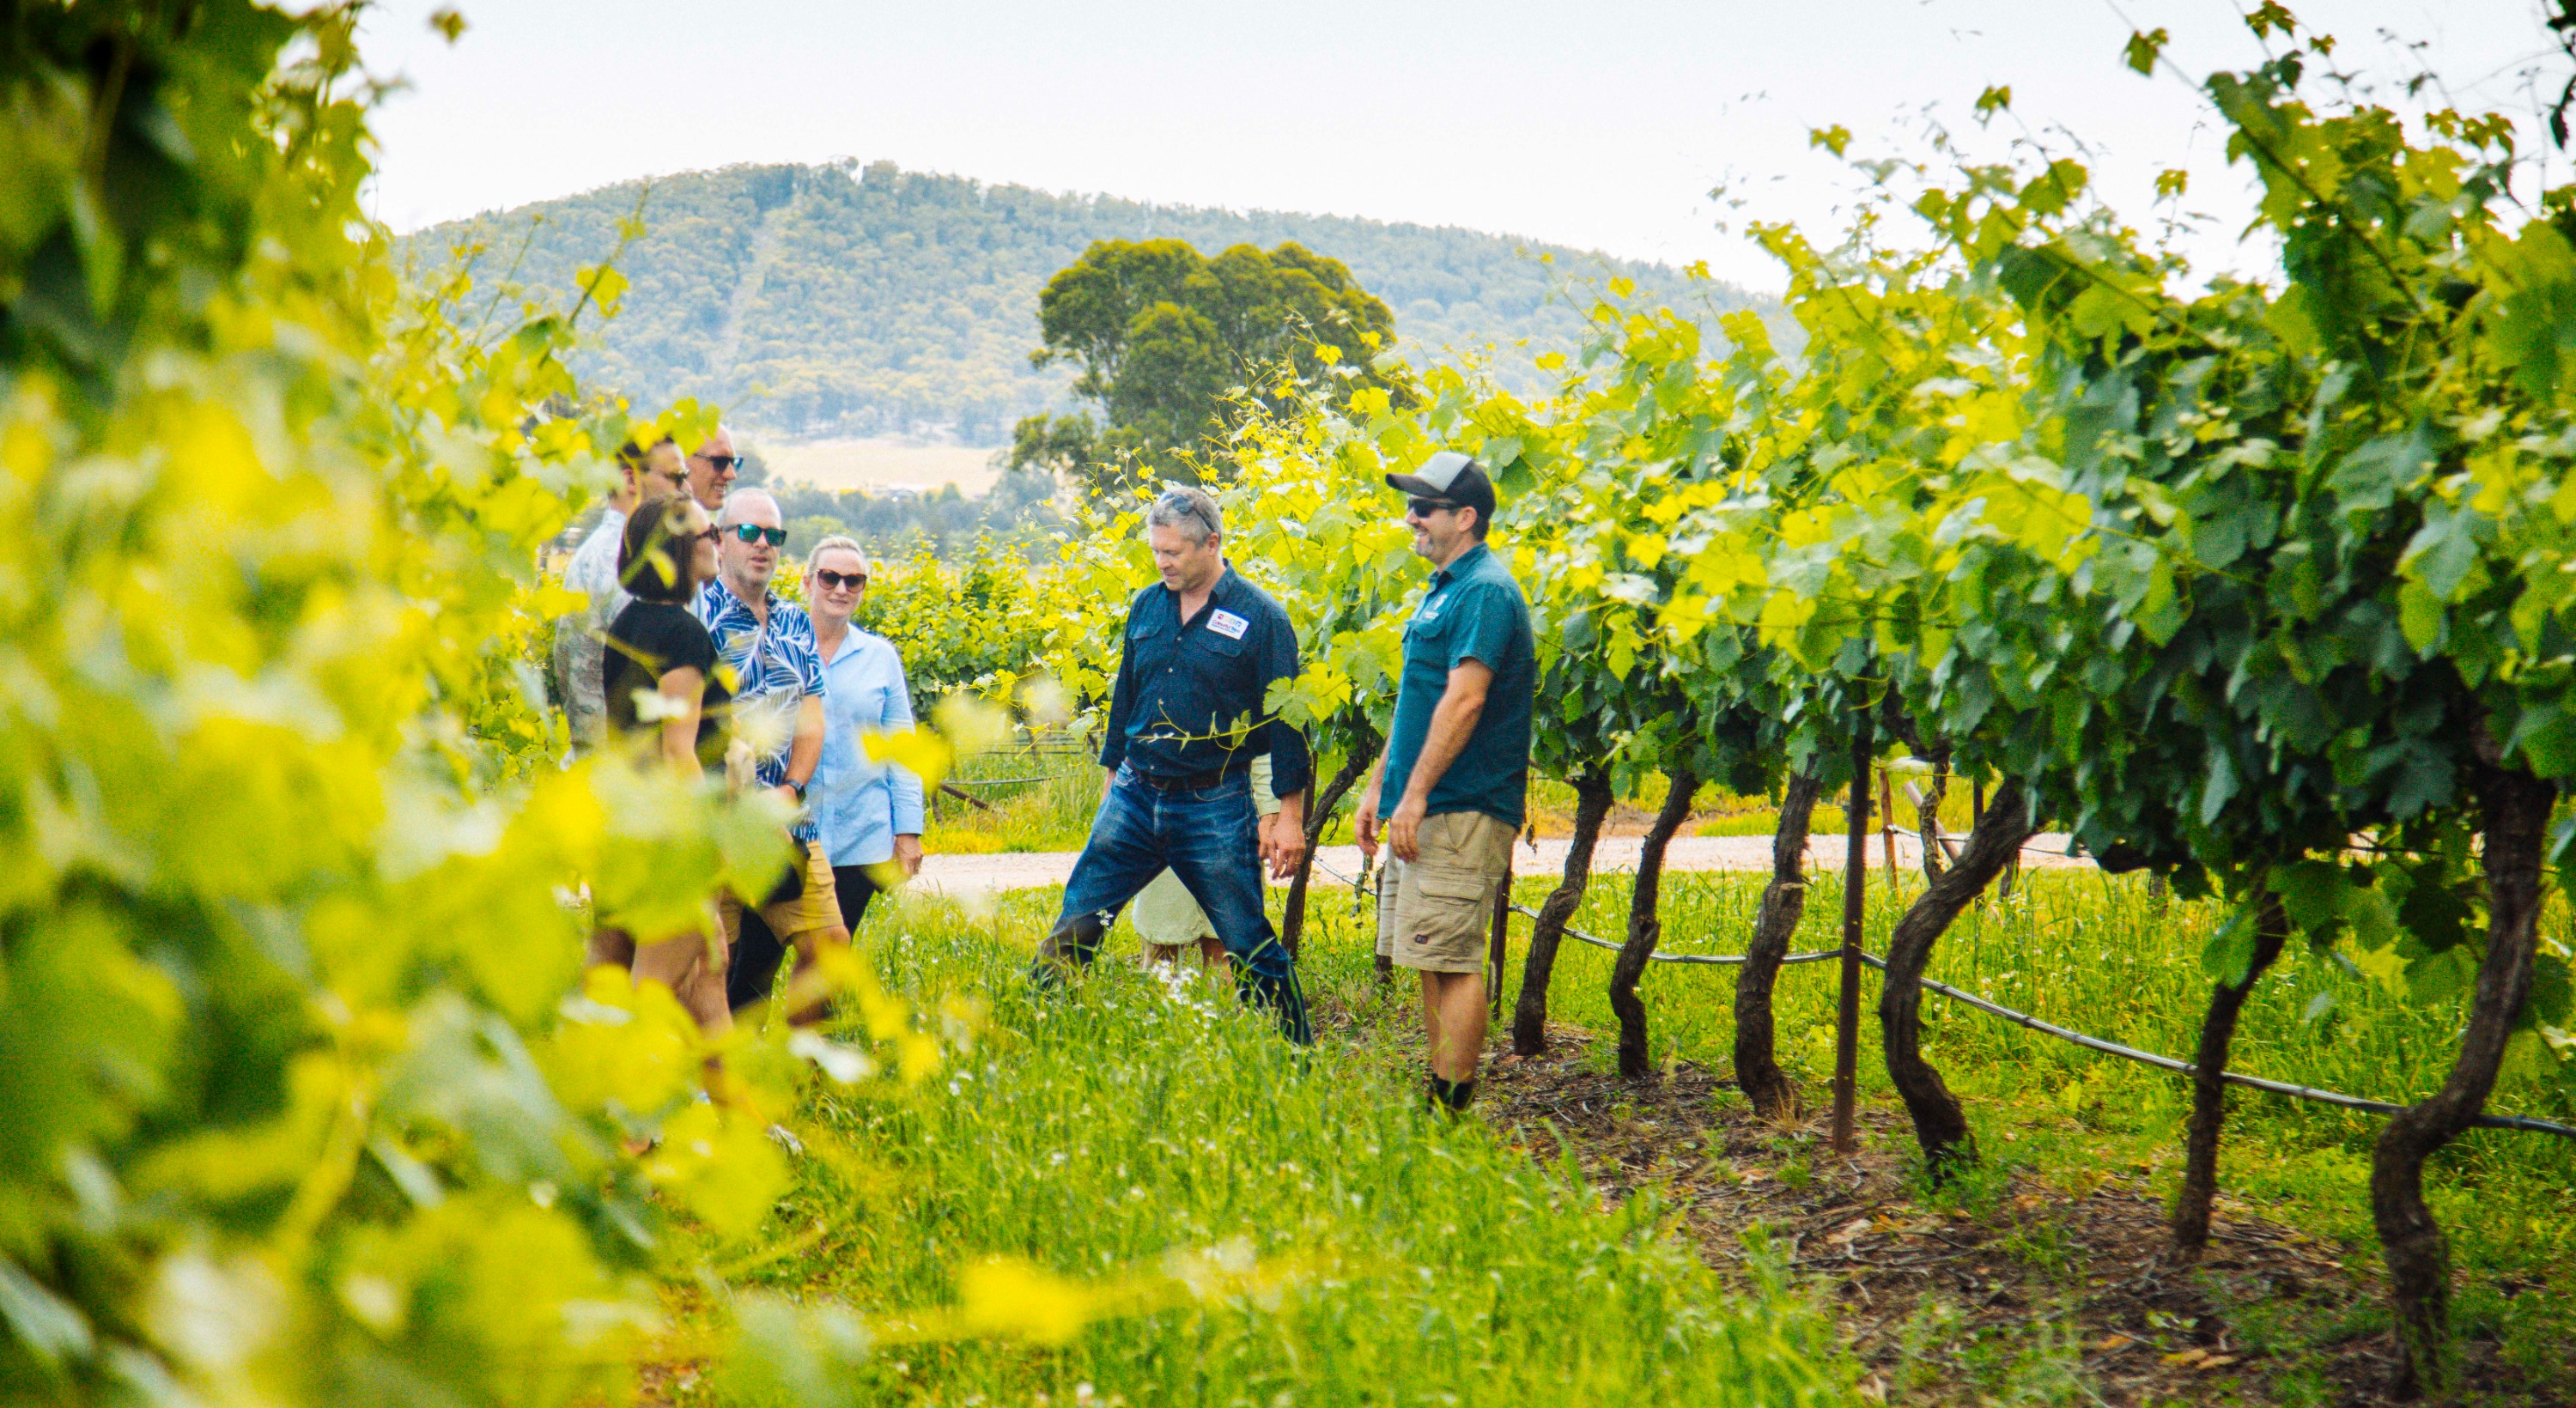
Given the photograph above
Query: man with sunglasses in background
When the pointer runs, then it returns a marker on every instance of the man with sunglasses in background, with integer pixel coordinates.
(712, 469)
(1455, 775)
(1186, 719)
(768, 643)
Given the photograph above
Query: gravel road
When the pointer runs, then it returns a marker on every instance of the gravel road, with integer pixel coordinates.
(959, 876)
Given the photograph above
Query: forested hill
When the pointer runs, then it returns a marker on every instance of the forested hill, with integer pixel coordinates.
(835, 298)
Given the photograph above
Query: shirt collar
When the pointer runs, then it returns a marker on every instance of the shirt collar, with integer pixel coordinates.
(853, 645)
(1459, 566)
(722, 598)
(1219, 595)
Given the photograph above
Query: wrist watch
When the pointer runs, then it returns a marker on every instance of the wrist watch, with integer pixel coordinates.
(799, 789)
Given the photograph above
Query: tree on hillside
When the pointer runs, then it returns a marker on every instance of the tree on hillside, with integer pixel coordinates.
(1161, 335)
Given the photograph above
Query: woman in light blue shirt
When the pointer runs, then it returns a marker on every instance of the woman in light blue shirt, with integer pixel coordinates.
(869, 813)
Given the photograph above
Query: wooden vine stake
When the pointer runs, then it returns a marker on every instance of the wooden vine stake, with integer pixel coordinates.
(1887, 821)
(1502, 935)
(1855, 887)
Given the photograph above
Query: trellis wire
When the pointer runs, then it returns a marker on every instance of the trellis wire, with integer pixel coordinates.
(2525, 1123)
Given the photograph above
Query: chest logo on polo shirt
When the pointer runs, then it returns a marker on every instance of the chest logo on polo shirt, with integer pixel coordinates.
(1227, 624)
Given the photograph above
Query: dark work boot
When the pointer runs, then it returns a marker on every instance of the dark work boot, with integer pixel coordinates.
(1073, 945)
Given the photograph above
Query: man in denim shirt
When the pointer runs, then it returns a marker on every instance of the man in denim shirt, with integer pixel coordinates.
(768, 644)
(1185, 722)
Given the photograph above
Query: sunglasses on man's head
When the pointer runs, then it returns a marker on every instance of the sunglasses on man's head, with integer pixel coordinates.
(1183, 503)
(724, 464)
(1424, 508)
(837, 581)
(753, 532)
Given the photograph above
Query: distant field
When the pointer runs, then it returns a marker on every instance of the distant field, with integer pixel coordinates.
(878, 462)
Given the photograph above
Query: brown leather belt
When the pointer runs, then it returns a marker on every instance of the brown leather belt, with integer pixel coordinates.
(1184, 782)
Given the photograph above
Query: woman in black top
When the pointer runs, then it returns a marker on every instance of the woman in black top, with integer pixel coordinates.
(657, 646)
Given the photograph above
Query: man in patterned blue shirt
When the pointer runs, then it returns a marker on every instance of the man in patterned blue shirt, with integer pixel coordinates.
(778, 717)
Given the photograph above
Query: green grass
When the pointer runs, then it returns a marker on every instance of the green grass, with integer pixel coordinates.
(1106, 1128)
(1037, 800)
(1098, 1132)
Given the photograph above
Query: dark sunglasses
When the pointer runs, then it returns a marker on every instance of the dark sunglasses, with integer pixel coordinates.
(838, 580)
(1424, 508)
(724, 464)
(1183, 503)
(753, 532)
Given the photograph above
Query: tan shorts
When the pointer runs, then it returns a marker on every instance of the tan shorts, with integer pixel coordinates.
(1435, 914)
(812, 912)
(1166, 914)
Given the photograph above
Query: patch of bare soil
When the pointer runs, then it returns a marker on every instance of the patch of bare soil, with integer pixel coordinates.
(2007, 1288)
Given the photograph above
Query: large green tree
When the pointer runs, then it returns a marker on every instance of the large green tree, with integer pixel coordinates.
(1163, 337)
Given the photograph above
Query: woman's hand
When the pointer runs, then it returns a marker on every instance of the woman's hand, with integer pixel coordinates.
(907, 853)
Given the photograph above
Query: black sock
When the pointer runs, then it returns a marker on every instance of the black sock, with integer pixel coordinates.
(1462, 1093)
(1436, 1095)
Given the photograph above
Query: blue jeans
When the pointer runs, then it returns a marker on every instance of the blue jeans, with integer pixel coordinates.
(1211, 839)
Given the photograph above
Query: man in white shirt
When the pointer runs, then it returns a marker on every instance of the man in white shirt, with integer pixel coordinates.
(642, 474)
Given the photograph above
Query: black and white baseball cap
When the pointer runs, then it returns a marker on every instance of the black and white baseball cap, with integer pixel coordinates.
(1452, 476)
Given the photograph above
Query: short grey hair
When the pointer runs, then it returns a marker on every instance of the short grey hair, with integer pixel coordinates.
(1183, 505)
(840, 542)
(743, 496)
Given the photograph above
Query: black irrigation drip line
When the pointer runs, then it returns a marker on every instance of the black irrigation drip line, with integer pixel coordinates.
(2298, 1092)
(1571, 932)
(997, 781)
(2093, 1043)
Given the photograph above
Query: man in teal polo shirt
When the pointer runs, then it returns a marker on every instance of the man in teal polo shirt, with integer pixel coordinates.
(1454, 778)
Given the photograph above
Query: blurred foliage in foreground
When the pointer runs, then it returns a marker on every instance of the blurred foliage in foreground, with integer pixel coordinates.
(302, 1102)
(293, 900)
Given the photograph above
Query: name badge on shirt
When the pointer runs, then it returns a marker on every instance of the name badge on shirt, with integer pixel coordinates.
(1227, 624)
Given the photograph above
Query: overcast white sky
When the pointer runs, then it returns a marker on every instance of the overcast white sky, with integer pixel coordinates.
(1601, 125)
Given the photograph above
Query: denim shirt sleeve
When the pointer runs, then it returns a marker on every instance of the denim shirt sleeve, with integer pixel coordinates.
(905, 784)
(861, 805)
(1122, 699)
(1292, 769)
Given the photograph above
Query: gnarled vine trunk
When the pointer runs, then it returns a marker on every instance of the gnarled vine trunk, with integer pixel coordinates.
(1319, 814)
(1592, 799)
(2516, 821)
(2209, 1090)
(1645, 928)
(1940, 1127)
(1784, 903)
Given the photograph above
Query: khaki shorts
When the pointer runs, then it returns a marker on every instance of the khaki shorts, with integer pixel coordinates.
(1166, 914)
(1435, 914)
(812, 912)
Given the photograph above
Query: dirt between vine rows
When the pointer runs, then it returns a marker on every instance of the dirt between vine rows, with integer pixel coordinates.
(2087, 1255)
